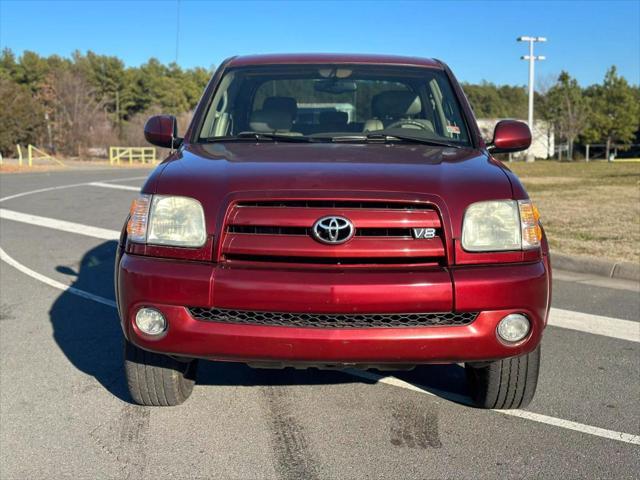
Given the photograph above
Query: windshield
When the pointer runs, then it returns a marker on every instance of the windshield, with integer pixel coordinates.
(338, 103)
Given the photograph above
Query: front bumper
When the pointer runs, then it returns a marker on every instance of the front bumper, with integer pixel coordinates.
(170, 286)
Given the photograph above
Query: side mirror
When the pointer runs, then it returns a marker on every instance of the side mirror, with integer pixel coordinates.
(162, 131)
(510, 136)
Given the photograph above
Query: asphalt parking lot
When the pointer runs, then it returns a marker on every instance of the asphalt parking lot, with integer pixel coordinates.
(65, 411)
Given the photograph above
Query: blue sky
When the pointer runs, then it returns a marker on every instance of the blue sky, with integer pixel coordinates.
(476, 38)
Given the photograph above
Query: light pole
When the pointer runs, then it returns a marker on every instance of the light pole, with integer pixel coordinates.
(532, 58)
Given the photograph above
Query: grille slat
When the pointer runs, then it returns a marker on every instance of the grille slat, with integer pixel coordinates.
(361, 232)
(333, 320)
(305, 246)
(337, 204)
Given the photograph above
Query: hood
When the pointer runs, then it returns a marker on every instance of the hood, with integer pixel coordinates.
(450, 177)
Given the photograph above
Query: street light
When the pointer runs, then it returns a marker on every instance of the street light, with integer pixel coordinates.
(532, 58)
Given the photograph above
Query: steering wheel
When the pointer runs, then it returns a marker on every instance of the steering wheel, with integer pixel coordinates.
(407, 121)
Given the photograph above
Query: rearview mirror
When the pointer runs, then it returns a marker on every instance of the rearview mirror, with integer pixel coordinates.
(335, 86)
(510, 136)
(162, 131)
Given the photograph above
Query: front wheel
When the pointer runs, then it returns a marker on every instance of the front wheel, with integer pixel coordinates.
(157, 380)
(504, 384)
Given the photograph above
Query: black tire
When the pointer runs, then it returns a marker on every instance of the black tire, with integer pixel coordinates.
(157, 380)
(505, 384)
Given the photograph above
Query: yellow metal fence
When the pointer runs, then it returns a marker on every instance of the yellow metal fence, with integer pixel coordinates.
(33, 154)
(132, 154)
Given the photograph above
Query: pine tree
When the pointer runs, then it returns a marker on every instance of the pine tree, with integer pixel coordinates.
(615, 113)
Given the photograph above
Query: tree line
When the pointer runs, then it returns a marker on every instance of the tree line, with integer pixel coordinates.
(72, 104)
(88, 100)
(604, 113)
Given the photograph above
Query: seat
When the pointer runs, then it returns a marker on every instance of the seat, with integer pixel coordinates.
(394, 105)
(333, 121)
(270, 121)
(277, 115)
(282, 104)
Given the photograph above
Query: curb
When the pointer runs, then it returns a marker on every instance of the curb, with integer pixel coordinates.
(606, 268)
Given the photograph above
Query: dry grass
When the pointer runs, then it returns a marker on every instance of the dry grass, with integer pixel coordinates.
(11, 166)
(25, 169)
(590, 209)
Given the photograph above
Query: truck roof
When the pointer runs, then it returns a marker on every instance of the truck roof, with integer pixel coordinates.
(332, 58)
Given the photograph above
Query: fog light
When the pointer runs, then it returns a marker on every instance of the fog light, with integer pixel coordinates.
(513, 327)
(150, 321)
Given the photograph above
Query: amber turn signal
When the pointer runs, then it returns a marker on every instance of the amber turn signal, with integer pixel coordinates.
(530, 224)
(138, 218)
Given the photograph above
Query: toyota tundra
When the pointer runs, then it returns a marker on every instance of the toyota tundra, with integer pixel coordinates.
(333, 211)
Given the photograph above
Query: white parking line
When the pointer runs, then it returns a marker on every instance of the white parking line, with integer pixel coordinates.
(62, 187)
(535, 417)
(115, 186)
(61, 225)
(388, 380)
(595, 324)
(5, 257)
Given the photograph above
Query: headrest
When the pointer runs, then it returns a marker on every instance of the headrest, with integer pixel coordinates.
(329, 117)
(281, 104)
(395, 104)
(270, 121)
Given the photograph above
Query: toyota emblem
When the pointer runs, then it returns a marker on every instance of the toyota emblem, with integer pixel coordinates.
(333, 230)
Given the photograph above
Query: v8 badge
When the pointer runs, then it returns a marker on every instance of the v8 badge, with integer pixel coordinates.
(424, 233)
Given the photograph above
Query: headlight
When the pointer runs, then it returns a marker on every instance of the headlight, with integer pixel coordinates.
(167, 220)
(501, 225)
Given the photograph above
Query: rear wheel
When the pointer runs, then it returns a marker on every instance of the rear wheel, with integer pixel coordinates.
(508, 383)
(157, 380)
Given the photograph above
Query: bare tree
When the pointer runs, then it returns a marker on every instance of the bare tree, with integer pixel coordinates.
(78, 120)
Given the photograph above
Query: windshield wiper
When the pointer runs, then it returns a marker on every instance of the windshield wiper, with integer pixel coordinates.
(411, 138)
(259, 136)
(383, 137)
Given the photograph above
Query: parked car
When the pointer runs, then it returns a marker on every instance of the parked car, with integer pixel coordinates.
(387, 238)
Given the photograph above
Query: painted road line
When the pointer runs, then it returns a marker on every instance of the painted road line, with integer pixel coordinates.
(61, 225)
(535, 417)
(396, 382)
(5, 257)
(388, 380)
(595, 324)
(62, 187)
(582, 322)
(115, 186)
(569, 425)
(559, 320)
(125, 179)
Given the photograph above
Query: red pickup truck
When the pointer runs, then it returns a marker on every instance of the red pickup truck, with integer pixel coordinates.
(376, 230)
